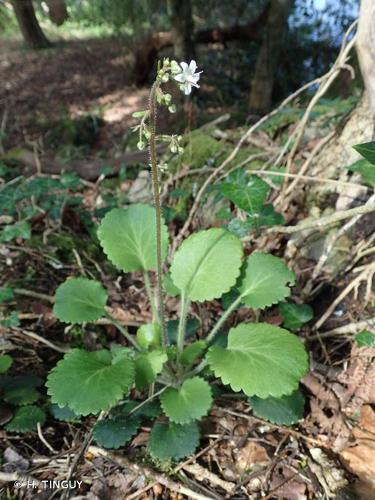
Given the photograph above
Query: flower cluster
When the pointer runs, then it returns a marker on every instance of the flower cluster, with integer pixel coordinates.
(187, 77)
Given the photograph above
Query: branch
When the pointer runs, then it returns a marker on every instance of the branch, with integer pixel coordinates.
(324, 221)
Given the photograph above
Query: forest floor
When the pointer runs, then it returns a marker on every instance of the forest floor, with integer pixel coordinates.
(75, 102)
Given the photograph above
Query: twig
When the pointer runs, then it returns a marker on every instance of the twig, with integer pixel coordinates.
(148, 473)
(369, 270)
(40, 339)
(43, 439)
(325, 84)
(307, 163)
(292, 432)
(328, 251)
(34, 295)
(349, 329)
(304, 177)
(324, 221)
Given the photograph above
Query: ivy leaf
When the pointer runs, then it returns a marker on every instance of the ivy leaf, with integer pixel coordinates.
(128, 238)
(26, 419)
(173, 441)
(295, 315)
(365, 339)
(115, 432)
(89, 382)
(5, 363)
(265, 217)
(190, 402)
(287, 410)
(148, 366)
(265, 281)
(6, 294)
(63, 413)
(192, 352)
(79, 300)
(366, 169)
(261, 359)
(18, 230)
(367, 150)
(195, 264)
(248, 194)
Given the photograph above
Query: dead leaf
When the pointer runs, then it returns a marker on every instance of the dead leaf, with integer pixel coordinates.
(360, 457)
(251, 456)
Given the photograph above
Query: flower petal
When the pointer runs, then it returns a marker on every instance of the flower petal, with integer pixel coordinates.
(180, 78)
(184, 66)
(187, 88)
(192, 66)
(192, 78)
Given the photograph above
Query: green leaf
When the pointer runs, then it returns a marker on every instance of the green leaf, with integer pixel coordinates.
(148, 410)
(89, 382)
(287, 410)
(20, 390)
(192, 325)
(295, 315)
(261, 359)
(128, 238)
(18, 230)
(6, 294)
(365, 339)
(170, 287)
(367, 150)
(192, 352)
(79, 300)
(190, 402)
(366, 170)
(195, 265)
(115, 432)
(148, 366)
(20, 394)
(63, 413)
(11, 321)
(265, 281)
(5, 363)
(248, 194)
(26, 419)
(173, 441)
(265, 217)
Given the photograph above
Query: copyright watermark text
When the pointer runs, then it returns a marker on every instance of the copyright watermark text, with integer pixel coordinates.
(63, 484)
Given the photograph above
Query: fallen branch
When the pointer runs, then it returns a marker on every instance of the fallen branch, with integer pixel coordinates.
(325, 221)
(122, 461)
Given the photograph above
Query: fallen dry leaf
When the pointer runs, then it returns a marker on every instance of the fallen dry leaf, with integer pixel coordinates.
(250, 456)
(360, 457)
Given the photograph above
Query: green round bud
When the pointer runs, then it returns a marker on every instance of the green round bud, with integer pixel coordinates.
(149, 335)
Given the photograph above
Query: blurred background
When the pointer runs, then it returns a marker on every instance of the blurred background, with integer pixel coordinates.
(73, 71)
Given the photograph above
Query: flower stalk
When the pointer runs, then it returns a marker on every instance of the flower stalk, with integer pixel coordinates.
(157, 203)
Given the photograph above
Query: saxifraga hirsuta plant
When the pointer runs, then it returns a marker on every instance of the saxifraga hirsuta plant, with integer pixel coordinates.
(264, 361)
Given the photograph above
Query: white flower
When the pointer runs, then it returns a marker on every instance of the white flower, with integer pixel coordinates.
(187, 76)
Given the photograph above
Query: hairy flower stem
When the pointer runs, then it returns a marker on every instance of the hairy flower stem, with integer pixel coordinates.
(151, 298)
(156, 194)
(185, 303)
